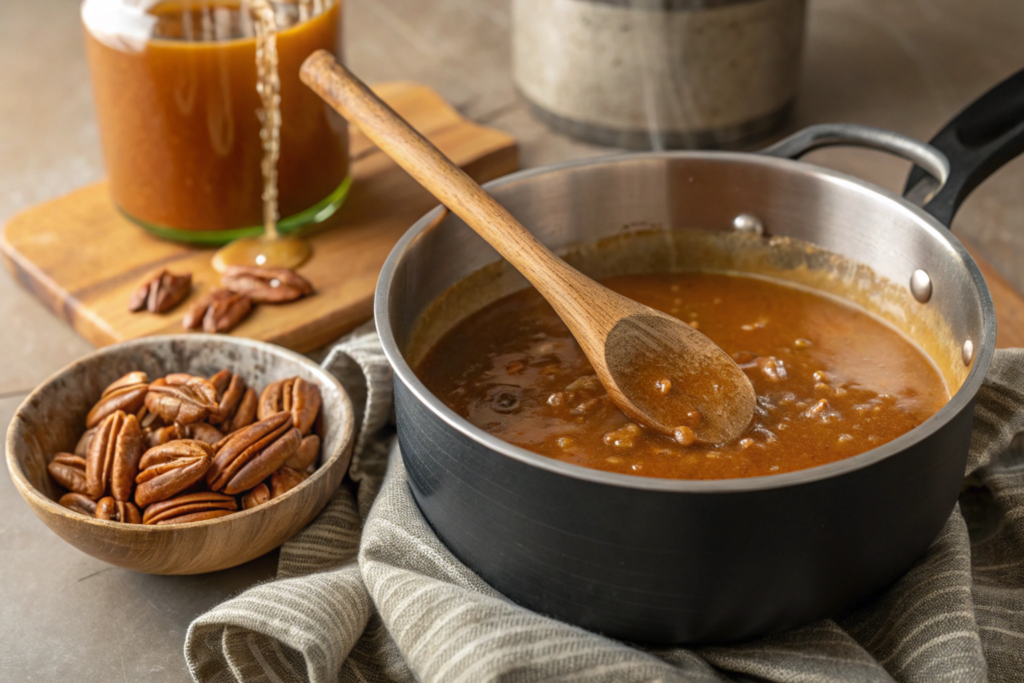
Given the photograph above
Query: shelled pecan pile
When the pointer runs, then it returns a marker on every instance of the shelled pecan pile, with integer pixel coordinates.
(183, 448)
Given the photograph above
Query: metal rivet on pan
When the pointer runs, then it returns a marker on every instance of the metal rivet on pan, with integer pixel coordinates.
(748, 222)
(921, 286)
(968, 352)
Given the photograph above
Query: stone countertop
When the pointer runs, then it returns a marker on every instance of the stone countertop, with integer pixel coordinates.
(908, 66)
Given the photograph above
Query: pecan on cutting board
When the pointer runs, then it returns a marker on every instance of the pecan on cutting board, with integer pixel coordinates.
(217, 311)
(161, 292)
(266, 285)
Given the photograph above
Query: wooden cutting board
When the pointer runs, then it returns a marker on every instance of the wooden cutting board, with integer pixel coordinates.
(82, 258)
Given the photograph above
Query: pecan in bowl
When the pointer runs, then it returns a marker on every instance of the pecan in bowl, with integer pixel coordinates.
(252, 454)
(180, 398)
(127, 394)
(68, 470)
(295, 395)
(117, 511)
(237, 403)
(191, 507)
(167, 470)
(113, 458)
(97, 487)
(180, 452)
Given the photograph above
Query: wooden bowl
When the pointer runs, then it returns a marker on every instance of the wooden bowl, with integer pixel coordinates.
(53, 417)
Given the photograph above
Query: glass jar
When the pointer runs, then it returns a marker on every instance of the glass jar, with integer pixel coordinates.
(179, 115)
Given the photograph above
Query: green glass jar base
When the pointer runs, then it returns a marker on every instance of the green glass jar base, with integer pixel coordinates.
(295, 223)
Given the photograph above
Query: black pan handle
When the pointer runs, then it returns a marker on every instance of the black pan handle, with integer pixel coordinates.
(978, 142)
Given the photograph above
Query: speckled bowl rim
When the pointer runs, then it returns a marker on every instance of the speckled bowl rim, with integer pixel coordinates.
(26, 488)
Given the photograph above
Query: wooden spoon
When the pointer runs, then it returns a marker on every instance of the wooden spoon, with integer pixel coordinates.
(659, 371)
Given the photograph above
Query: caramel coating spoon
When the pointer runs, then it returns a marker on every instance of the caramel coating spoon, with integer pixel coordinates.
(658, 370)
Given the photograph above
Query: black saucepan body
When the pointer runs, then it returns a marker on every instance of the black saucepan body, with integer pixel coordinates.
(669, 561)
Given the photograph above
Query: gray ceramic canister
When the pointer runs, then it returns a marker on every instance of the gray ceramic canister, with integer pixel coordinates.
(646, 74)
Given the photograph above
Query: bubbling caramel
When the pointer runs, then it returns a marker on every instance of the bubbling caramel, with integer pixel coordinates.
(832, 381)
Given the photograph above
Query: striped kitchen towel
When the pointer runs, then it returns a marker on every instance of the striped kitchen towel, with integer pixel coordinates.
(368, 593)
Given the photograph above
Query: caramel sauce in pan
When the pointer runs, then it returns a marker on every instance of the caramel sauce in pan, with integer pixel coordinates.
(831, 380)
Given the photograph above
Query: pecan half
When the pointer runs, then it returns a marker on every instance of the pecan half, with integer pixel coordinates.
(161, 292)
(295, 395)
(148, 419)
(284, 480)
(200, 431)
(114, 457)
(245, 414)
(68, 470)
(190, 507)
(266, 285)
(79, 503)
(237, 403)
(221, 380)
(305, 455)
(218, 311)
(178, 379)
(167, 470)
(252, 454)
(182, 399)
(117, 511)
(160, 435)
(193, 319)
(127, 394)
(259, 495)
(82, 447)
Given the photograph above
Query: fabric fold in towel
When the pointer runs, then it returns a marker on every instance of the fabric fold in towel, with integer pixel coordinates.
(367, 592)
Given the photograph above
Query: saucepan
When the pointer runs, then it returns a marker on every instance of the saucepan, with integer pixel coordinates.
(674, 561)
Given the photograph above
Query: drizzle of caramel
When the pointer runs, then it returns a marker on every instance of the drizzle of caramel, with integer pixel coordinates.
(271, 249)
(278, 251)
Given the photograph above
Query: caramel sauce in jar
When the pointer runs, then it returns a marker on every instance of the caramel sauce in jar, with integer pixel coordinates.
(178, 119)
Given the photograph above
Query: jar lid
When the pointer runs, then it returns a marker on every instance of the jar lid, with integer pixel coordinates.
(122, 25)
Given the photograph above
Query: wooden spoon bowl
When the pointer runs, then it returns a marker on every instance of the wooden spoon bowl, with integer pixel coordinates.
(52, 418)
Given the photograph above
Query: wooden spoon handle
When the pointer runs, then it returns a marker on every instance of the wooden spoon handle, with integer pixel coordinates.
(446, 181)
(622, 339)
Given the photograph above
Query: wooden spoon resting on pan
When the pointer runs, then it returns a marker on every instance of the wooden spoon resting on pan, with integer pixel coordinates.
(659, 371)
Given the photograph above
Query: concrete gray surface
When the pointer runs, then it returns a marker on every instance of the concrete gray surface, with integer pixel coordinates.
(907, 66)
